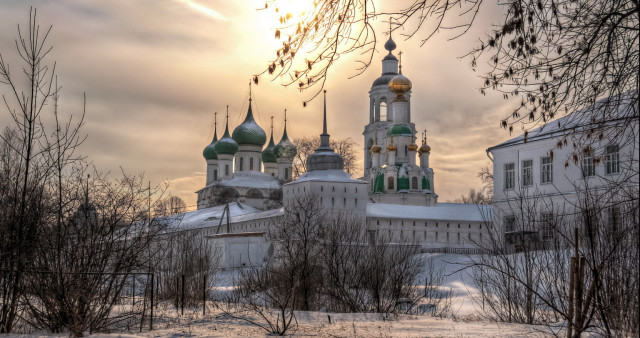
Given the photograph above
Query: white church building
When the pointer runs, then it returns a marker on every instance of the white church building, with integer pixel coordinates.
(248, 184)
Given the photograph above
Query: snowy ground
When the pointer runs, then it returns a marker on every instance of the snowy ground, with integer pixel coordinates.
(464, 321)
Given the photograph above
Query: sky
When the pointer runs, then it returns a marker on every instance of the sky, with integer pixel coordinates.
(154, 72)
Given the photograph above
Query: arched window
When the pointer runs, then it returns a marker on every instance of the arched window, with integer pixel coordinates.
(254, 193)
(215, 175)
(286, 174)
(241, 163)
(414, 183)
(390, 185)
(250, 163)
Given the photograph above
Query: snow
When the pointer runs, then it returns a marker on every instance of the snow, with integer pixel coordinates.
(330, 175)
(574, 121)
(208, 217)
(250, 179)
(465, 321)
(441, 212)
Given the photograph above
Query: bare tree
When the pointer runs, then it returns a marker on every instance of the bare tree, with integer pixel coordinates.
(81, 267)
(553, 57)
(526, 274)
(33, 157)
(171, 205)
(474, 197)
(308, 145)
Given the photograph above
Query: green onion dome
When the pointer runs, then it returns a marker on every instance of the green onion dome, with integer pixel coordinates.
(267, 154)
(209, 151)
(284, 148)
(249, 132)
(399, 130)
(226, 145)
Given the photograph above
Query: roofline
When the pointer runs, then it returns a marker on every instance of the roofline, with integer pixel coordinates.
(552, 133)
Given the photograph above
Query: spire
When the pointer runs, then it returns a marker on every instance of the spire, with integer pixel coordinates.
(324, 137)
(226, 127)
(215, 127)
(284, 134)
(390, 45)
(250, 111)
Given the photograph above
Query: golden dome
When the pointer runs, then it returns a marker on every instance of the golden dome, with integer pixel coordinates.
(391, 147)
(425, 148)
(412, 147)
(400, 84)
(375, 149)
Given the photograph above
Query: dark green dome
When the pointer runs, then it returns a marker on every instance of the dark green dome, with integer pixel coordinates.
(399, 130)
(267, 154)
(209, 151)
(284, 148)
(226, 145)
(249, 132)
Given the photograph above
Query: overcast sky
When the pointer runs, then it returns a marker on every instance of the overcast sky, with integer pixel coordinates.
(155, 71)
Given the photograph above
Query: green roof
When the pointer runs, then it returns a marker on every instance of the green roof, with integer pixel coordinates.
(209, 151)
(267, 154)
(226, 145)
(398, 130)
(249, 132)
(284, 148)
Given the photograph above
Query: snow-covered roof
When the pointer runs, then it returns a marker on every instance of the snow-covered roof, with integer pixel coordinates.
(208, 217)
(249, 179)
(330, 175)
(625, 105)
(441, 212)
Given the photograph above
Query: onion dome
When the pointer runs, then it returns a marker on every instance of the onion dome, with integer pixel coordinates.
(209, 151)
(390, 45)
(399, 130)
(284, 148)
(375, 149)
(249, 132)
(425, 148)
(267, 154)
(400, 84)
(391, 147)
(412, 147)
(226, 145)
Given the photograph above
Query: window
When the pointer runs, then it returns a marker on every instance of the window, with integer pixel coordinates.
(527, 173)
(588, 165)
(390, 183)
(509, 224)
(286, 173)
(414, 183)
(546, 228)
(241, 163)
(250, 163)
(612, 159)
(509, 176)
(372, 237)
(215, 175)
(226, 170)
(546, 170)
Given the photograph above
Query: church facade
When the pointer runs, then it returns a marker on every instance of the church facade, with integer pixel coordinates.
(248, 185)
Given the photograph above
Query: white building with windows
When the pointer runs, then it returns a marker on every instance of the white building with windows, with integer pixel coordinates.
(550, 173)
